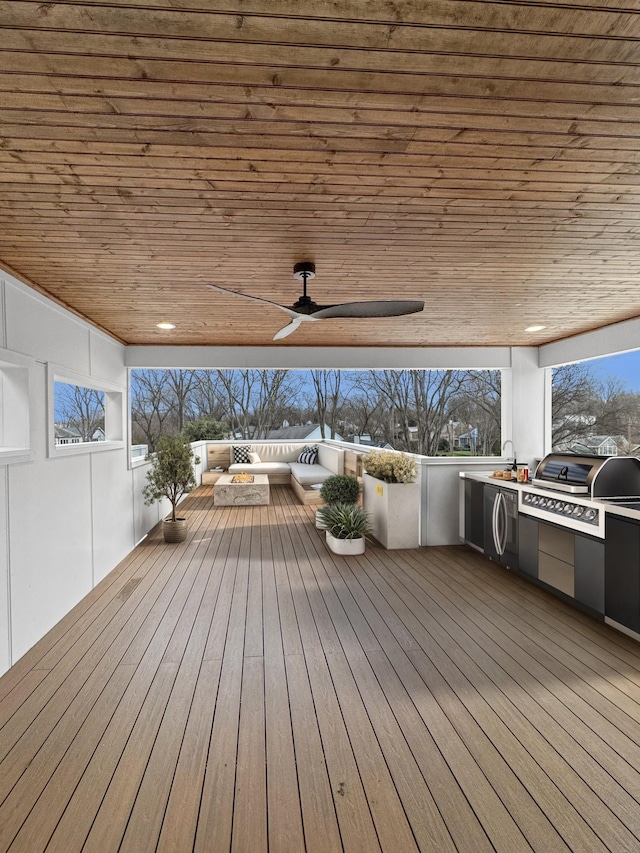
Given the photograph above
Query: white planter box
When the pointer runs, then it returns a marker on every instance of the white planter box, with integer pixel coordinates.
(394, 510)
(345, 547)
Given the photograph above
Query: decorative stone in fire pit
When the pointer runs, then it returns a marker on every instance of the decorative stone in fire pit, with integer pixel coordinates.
(242, 478)
(230, 490)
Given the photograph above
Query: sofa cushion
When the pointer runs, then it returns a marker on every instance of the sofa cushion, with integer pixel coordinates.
(307, 475)
(308, 455)
(278, 451)
(253, 458)
(261, 468)
(331, 458)
(240, 453)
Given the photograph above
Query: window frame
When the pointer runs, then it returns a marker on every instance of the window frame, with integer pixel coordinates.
(16, 406)
(115, 397)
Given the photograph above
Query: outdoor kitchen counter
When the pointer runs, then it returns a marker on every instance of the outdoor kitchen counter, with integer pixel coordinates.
(596, 568)
(603, 503)
(493, 481)
(615, 509)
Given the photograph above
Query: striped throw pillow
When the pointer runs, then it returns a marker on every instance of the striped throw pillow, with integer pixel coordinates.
(309, 455)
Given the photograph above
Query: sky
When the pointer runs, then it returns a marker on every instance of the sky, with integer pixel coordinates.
(626, 367)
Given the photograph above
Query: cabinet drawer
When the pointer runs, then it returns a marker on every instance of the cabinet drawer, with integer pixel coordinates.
(556, 573)
(556, 542)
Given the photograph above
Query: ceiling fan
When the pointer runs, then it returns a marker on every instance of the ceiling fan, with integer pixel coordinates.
(306, 310)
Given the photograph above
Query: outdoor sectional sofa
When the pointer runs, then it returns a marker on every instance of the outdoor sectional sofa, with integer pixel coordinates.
(280, 461)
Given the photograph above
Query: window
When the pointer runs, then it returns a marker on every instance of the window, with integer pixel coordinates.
(15, 438)
(85, 414)
(596, 406)
(78, 414)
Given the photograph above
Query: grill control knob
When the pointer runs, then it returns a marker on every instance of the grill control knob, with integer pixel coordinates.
(590, 514)
(568, 509)
(528, 498)
(577, 511)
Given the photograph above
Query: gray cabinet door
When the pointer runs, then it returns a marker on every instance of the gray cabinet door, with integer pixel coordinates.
(528, 551)
(622, 572)
(589, 572)
(474, 513)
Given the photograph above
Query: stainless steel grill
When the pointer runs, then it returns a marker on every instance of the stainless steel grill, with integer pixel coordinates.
(595, 476)
(565, 485)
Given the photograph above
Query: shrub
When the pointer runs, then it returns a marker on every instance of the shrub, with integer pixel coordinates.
(390, 466)
(204, 429)
(340, 489)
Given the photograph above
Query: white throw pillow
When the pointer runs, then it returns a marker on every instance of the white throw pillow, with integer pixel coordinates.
(253, 458)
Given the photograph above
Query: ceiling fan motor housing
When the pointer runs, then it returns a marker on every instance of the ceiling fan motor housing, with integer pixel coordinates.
(305, 270)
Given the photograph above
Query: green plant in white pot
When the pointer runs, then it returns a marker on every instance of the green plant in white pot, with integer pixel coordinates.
(171, 476)
(392, 497)
(338, 489)
(347, 527)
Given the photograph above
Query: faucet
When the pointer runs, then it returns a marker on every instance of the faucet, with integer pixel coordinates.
(504, 444)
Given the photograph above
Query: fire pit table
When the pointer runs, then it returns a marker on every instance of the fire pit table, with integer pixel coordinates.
(229, 492)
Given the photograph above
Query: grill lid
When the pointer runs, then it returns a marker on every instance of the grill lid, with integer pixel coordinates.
(599, 476)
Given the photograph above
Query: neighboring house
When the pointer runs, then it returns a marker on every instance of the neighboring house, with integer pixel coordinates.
(601, 445)
(468, 440)
(366, 441)
(306, 432)
(69, 434)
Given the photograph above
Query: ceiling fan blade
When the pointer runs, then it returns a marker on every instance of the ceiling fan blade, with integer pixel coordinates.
(290, 328)
(258, 299)
(374, 308)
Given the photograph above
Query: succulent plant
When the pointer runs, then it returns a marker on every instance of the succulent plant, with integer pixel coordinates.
(345, 521)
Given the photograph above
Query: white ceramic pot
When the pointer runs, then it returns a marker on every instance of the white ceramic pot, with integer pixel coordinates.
(345, 547)
(394, 510)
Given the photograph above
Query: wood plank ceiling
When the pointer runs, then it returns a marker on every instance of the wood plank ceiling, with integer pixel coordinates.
(482, 156)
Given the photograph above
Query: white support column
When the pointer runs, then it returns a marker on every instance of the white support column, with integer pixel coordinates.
(526, 401)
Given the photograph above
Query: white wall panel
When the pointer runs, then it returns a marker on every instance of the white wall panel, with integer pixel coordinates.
(43, 331)
(5, 580)
(107, 359)
(3, 314)
(51, 544)
(144, 517)
(442, 483)
(113, 524)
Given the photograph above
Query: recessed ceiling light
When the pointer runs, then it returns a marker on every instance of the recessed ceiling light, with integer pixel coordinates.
(165, 325)
(535, 328)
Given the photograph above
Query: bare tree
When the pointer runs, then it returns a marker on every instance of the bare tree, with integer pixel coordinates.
(81, 409)
(257, 399)
(327, 384)
(151, 410)
(178, 386)
(417, 402)
(207, 398)
(478, 404)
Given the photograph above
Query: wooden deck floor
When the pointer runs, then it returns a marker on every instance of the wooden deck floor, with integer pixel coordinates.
(248, 691)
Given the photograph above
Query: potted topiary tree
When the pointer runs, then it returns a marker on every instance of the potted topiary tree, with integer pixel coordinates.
(346, 526)
(171, 476)
(392, 497)
(338, 489)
